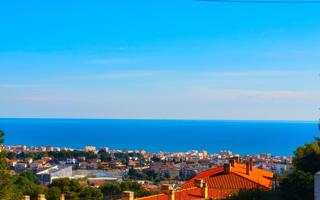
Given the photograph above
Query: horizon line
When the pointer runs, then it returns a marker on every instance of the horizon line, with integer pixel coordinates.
(159, 119)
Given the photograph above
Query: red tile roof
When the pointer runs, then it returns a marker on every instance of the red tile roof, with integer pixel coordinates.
(236, 179)
(221, 184)
(187, 194)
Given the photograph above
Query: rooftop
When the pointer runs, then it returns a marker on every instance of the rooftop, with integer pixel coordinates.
(220, 182)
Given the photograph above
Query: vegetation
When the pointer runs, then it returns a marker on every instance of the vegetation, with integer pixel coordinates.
(307, 157)
(56, 155)
(297, 185)
(256, 194)
(73, 190)
(150, 175)
(7, 187)
(114, 190)
(153, 176)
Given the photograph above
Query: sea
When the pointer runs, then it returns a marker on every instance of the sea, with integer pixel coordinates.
(242, 137)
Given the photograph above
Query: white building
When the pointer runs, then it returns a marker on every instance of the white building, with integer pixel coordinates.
(59, 171)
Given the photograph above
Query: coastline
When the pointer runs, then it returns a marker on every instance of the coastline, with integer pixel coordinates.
(276, 137)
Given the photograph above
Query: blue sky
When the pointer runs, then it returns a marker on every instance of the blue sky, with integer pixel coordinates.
(164, 59)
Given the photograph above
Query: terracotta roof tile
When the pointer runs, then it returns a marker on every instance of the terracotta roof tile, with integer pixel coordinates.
(217, 178)
(221, 184)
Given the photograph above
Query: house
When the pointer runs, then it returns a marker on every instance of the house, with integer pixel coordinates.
(234, 176)
(89, 148)
(12, 163)
(216, 183)
(28, 160)
(71, 161)
(38, 164)
(20, 166)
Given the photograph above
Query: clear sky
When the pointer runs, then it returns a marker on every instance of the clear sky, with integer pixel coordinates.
(168, 59)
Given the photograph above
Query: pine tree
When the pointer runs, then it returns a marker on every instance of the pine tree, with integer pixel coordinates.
(7, 187)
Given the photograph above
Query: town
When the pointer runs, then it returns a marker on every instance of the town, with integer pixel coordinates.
(106, 165)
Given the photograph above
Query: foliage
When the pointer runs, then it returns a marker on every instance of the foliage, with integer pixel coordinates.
(256, 194)
(104, 156)
(8, 190)
(114, 190)
(53, 193)
(137, 175)
(110, 190)
(91, 193)
(29, 175)
(148, 174)
(307, 157)
(69, 187)
(27, 185)
(1, 137)
(73, 190)
(11, 155)
(297, 185)
(138, 190)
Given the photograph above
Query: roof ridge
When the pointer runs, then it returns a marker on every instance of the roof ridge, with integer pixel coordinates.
(141, 198)
(162, 194)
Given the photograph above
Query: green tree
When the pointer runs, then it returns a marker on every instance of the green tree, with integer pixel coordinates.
(8, 191)
(30, 176)
(111, 190)
(137, 188)
(256, 194)
(307, 157)
(1, 137)
(11, 155)
(114, 190)
(27, 186)
(66, 185)
(90, 193)
(53, 193)
(104, 156)
(297, 185)
(69, 187)
(71, 195)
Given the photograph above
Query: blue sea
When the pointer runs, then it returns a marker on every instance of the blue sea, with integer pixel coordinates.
(243, 137)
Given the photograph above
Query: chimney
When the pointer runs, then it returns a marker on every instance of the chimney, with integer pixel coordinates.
(198, 183)
(26, 197)
(232, 161)
(250, 163)
(61, 197)
(168, 190)
(204, 191)
(237, 159)
(127, 195)
(227, 168)
(247, 168)
(41, 197)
